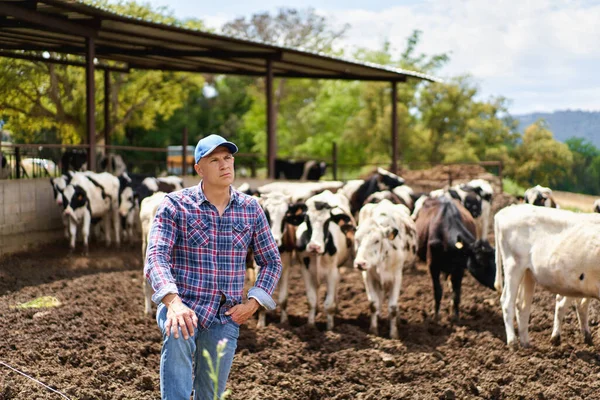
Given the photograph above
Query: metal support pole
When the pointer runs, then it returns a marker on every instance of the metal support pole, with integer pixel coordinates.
(271, 139)
(107, 126)
(184, 154)
(90, 90)
(394, 127)
(18, 162)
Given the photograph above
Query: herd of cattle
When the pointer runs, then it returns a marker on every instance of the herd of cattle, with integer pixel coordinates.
(380, 227)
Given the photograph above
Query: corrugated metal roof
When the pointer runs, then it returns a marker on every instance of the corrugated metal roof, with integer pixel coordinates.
(61, 26)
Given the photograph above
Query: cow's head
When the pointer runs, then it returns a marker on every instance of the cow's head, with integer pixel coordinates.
(373, 245)
(58, 186)
(472, 203)
(296, 213)
(75, 202)
(481, 262)
(323, 210)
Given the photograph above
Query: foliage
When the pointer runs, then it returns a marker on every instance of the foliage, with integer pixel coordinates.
(38, 96)
(511, 187)
(539, 159)
(213, 372)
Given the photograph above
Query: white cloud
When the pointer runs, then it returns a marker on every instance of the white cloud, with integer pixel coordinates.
(516, 49)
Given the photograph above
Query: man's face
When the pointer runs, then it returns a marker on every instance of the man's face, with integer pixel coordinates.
(217, 167)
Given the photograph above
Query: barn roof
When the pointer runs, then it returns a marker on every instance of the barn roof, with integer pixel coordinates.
(62, 26)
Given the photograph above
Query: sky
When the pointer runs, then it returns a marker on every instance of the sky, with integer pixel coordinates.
(542, 55)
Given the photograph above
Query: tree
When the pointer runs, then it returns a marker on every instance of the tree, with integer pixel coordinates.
(36, 95)
(540, 159)
(289, 28)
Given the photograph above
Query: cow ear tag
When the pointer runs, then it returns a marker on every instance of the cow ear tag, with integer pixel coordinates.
(459, 245)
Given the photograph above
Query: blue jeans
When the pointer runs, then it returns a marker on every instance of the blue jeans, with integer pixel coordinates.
(182, 366)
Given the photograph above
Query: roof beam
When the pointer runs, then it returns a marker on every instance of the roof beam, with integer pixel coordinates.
(30, 57)
(48, 21)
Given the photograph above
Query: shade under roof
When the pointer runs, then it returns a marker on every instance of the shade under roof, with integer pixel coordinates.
(62, 26)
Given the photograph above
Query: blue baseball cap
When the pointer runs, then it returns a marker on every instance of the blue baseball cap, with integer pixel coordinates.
(208, 144)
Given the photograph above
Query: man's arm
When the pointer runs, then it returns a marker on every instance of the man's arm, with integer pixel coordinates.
(161, 240)
(266, 255)
(163, 234)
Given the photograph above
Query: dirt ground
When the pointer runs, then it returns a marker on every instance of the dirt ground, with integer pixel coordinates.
(98, 345)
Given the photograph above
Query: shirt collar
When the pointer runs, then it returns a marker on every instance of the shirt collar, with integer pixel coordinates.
(233, 194)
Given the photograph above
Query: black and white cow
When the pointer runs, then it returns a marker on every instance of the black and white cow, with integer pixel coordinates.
(323, 245)
(540, 196)
(302, 170)
(73, 160)
(133, 189)
(385, 243)
(148, 209)
(4, 166)
(59, 184)
(558, 249)
(90, 196)
(597, 206)
(378, 181)
(446, 233)
(113, 163)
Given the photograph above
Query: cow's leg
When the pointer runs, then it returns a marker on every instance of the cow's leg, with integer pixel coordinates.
(434, 271)
(582, 306)
(312, 284)
(393, 304)
(65, 220)
(372, 288)
(283, 285)
(456, 279)
(560, 310)
(85, 230)
(73, 233)
(106, 222)
(509, 297)
(333, 278)
(116, 219)
(524, 306)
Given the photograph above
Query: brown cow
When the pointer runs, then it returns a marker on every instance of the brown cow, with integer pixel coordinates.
(446, 241)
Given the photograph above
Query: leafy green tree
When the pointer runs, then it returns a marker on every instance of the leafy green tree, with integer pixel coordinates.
(540, 159)
(38, 96)
(584, 176)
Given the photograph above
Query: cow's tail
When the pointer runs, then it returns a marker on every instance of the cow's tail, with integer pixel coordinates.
(499, 270)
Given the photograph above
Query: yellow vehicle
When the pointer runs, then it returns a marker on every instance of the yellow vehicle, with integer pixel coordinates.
(175, 158)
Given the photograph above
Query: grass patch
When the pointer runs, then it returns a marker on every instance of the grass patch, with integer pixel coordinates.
(40, 302)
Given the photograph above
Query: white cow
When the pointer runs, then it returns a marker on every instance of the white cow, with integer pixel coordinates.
(90, 196)
(148, 210)
(385, 243)
(323, 246)
(532, 246)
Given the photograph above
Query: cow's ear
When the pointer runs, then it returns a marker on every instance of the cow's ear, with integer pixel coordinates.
(392, 233)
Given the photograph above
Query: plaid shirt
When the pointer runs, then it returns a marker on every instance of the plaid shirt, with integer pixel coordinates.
(201, 256)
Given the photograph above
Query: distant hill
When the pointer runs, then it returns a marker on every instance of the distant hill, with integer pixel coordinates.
(567, 124)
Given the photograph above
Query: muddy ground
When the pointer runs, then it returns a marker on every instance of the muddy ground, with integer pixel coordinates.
(98, 345)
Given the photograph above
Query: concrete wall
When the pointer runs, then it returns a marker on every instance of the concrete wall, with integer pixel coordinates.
(28, 215)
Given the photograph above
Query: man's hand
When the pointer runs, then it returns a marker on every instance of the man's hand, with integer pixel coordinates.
(241, 312)
(180, 316)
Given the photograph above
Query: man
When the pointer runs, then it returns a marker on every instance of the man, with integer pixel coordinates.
(196, 265)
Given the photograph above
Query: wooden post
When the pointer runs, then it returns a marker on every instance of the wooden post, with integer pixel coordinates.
(90, 90)
(271, 139)
(106, 109)
(394, 127)
(18, 162)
